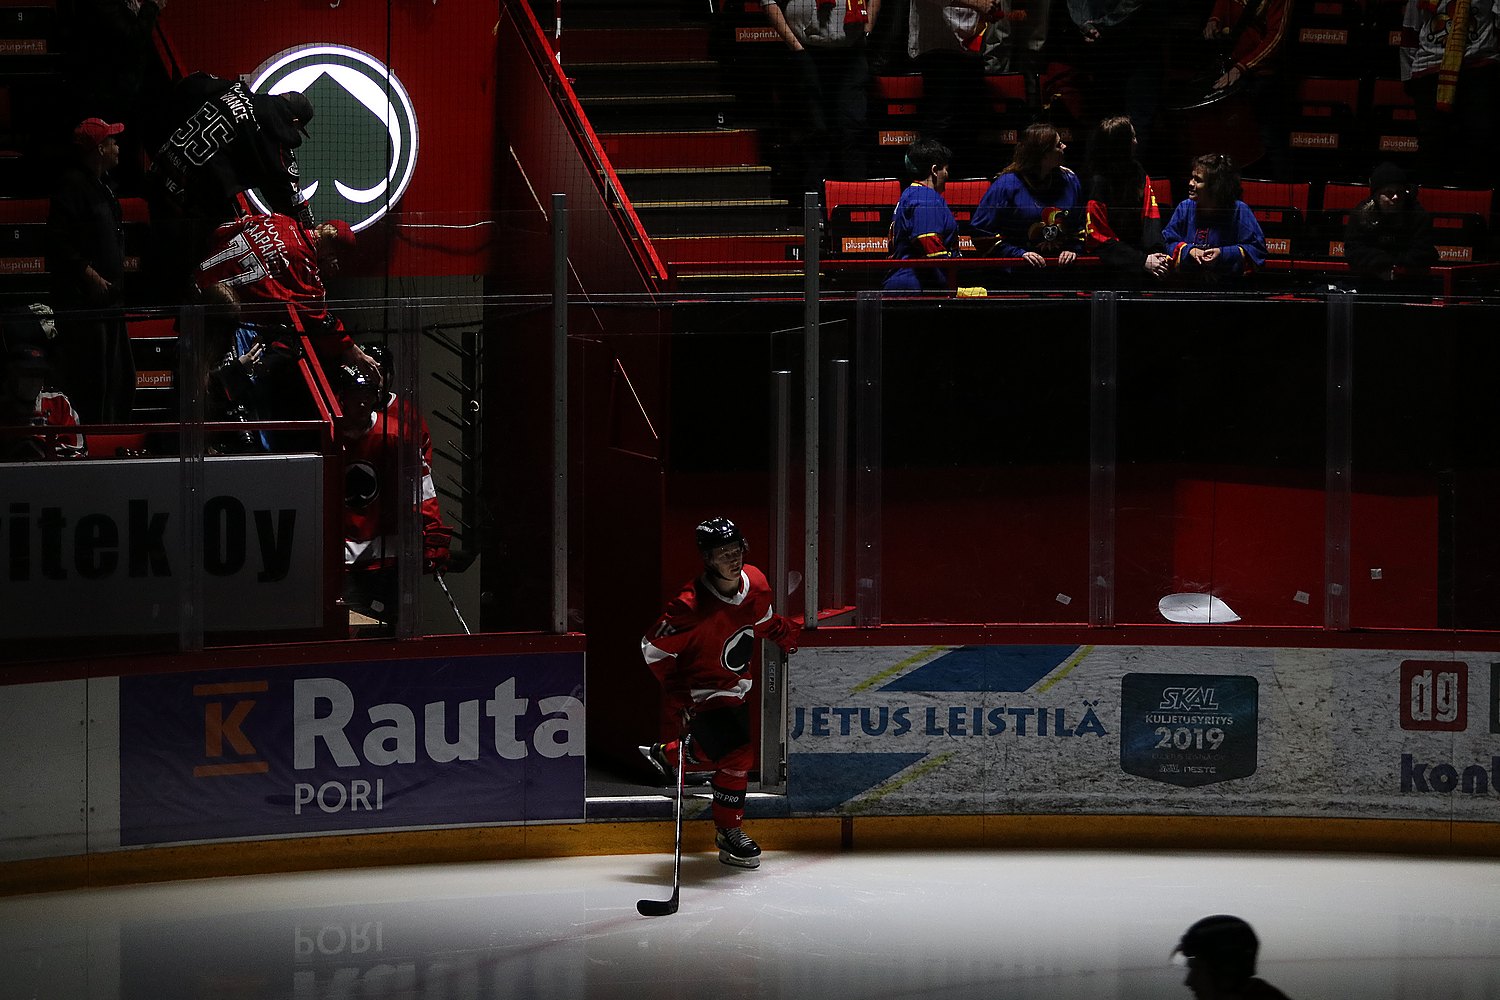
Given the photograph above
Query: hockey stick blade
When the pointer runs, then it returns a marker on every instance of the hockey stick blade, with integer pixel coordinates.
(657, 907)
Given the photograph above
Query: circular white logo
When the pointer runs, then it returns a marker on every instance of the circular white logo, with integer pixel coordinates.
(362, 148)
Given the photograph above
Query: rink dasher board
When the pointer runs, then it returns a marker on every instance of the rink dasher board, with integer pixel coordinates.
(909, 730)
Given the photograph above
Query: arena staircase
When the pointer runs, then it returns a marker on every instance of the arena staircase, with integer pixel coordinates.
(663, 85)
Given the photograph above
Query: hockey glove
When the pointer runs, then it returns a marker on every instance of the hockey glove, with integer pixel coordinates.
(436, 548)
(785, 632)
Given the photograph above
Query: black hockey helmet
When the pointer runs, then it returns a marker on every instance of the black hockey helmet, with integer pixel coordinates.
(348, 377)
(1225, 943)
(717, 531)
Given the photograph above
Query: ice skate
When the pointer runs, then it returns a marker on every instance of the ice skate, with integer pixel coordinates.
(661, 763)
(737, 849)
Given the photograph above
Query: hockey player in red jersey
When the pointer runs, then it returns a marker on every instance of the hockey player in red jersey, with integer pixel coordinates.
(372, 427)
(270, 260)
(25, 401)
(700, 649)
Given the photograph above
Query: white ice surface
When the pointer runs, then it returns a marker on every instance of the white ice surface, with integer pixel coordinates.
(990, 925)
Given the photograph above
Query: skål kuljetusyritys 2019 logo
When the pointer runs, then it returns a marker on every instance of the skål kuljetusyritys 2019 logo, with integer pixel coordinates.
(361, 149)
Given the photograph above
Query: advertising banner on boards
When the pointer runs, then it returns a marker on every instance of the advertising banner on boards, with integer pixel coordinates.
(1151, 730)
(234, 754)
(97, 547)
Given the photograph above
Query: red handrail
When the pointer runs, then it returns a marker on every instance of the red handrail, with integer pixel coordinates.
(543, 57)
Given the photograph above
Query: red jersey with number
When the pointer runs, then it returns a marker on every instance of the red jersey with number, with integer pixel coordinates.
(702, 646)
(271, 259)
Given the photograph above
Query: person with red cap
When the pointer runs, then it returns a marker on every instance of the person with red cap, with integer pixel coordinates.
(86, 262)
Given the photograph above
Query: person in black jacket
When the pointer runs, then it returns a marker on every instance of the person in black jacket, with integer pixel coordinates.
(86, 261)
(1390, 229)
(1123, 227)
(227, 142)
(1220, 953)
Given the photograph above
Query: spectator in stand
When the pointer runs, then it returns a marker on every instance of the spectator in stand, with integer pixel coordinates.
(1251, 33)
(25, 400)
(1450, 60)
(1033, 209)
(923, 226)
(1127, 43)
(943, 37)
(373, 428)
(1123, 223)
(114, 71)
(1014, 39)
(1390, 229)
(1213, 234)
(829, 82)
(86, 261)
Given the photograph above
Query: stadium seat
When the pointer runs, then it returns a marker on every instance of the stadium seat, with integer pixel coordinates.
(1393, 124)
(1281, 208)
(858, 215)
(895, 113)
(1328, 34)
(1006, 95)
(963, 197)
(1339, 199)
(1460, 222)
(1322, 136)
(23, 235)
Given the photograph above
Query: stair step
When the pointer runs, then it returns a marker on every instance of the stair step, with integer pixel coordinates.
(734, 183)
(594, 45)
(681, 218)
(707, 249)
(623, 113)
(790, 282)
(591, 79)
(633, 14)
(704, 148)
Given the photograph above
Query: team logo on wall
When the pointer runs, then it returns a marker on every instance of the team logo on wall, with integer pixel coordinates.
(1189, 729)
(362, 148)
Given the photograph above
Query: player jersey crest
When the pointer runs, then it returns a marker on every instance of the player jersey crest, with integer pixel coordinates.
(738, 650)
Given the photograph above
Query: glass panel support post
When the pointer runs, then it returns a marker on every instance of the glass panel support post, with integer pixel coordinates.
(1103, 428)
(1338, 490)
(868, 459)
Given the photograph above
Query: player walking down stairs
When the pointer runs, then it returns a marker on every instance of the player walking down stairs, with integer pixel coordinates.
(700, 649)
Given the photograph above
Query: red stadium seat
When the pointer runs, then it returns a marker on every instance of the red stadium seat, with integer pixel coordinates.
(1281, 208)
(1393, 118)
(1460, 222)
(1339, 198)
(1322, 136)
(895, 114)
(963, 197)
(858, 215)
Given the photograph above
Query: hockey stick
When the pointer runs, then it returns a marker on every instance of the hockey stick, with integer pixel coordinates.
(660, 907)
(452, 603)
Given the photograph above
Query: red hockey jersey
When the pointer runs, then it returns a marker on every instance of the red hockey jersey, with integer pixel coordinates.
(271, 259)
(51, 409)
(703, 644)
(372, 467)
